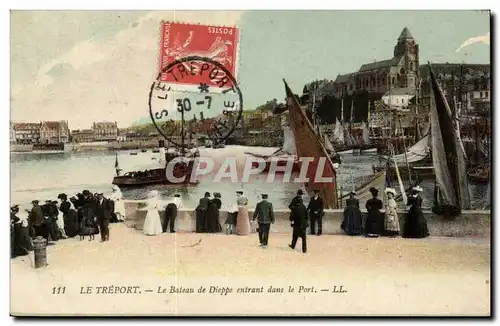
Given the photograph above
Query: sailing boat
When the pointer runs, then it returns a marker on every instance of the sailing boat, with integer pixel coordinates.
(452, 190)
(366, 146)
(341, 140)
(310, 145)
(283, 155)
(338, 133)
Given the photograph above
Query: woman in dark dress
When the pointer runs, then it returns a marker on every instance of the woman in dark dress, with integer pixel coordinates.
(69, 216)
(21, 239)
(213, 223)
(87, 223)
(201, 213)
(415, 225)
(352, 222)
(374, 225)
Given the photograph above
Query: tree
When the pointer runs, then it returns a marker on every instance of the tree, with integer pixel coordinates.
(268, 106)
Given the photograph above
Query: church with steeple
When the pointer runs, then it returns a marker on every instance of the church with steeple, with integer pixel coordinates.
(398, 74)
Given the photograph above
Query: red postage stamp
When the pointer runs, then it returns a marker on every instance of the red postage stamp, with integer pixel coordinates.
(180, 40)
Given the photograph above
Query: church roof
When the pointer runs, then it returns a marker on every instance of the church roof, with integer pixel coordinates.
(343, 78)
(378, 65)
(400, 91)
(405, 34)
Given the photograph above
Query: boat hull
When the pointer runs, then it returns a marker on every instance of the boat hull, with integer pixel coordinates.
(369, 150)
(347, 151)
(357, 150)
(420, 172)
(157, 177)
(282, 163)
(478, 179)
(132, 183)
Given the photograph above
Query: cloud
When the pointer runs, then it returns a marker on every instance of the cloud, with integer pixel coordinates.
(103, 80)
(485, 39)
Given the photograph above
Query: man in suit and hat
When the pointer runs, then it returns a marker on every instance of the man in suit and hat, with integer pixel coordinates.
(50, 219)
(298, 217)
(103, 214)
(299, 195)
(201, 213)
(171, 213)
(264, 214)
(315, 209)
(36, 221)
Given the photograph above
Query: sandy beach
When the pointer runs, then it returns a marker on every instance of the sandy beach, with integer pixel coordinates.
(340, 275)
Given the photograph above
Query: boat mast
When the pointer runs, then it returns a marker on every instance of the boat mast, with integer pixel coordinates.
(313, 109)
(351, 118)
(406, 157)
(342, 111)
(182, 133)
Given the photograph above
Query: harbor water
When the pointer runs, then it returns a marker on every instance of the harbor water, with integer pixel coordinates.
(44, 176)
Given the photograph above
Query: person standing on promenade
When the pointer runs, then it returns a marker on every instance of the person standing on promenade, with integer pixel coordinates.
(415, 225)
(118, 214)
(61, 233)
(373, 225)
(201, 213)
(299, 195)
(232, 215)
(264, 214)
(103, 214)
(298, 217)
(171, 213)
(352, 223)
(391, 214)
(36, 221)
(69, 216)
(86, 214)
(213, 216)
(50, 219)
(242, 220)
(20, 238)
(316, 212)
(152, 223)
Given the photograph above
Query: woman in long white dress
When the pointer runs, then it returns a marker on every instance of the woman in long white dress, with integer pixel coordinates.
(60, 223)
(152, 223)
(117, 198)
(391, 215)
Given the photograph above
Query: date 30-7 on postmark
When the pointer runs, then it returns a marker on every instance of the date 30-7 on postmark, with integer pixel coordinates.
(196, 92)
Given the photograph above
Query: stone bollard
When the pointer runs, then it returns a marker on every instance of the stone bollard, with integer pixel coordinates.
(40, 245)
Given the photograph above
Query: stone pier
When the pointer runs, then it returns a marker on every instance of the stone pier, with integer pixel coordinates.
(474, 223)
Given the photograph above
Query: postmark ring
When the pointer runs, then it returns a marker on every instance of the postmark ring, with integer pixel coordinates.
(235, 87)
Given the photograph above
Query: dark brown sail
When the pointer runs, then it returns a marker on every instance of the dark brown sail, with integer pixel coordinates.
(308, 144)
(447, 156)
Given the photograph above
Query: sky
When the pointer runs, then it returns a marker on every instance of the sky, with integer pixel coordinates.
(87, 66)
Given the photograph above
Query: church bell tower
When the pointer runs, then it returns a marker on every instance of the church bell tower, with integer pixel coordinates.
(406, 51)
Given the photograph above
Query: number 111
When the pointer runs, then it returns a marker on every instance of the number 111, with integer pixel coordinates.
(59, 290)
